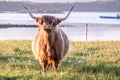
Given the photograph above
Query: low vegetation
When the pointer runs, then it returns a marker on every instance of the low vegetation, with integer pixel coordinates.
(98, 60)
(92, 6)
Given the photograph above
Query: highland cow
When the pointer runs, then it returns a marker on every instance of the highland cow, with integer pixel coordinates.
(50, 43)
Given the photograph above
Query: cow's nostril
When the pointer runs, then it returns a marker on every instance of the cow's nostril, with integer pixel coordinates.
(47, 27)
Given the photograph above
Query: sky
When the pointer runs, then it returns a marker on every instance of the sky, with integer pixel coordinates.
(50, 1)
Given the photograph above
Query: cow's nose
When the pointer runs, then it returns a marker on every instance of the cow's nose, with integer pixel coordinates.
(47, 27)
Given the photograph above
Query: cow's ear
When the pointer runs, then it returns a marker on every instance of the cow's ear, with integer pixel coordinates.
(37, 20)
(58, 21)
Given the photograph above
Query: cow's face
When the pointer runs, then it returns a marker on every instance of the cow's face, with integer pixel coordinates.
(47, 22)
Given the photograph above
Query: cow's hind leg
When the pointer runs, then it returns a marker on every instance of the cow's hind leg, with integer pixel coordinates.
(49, 66)
(44, 66)
(55, 66)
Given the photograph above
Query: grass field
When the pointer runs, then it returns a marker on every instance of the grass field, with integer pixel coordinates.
(98, 60)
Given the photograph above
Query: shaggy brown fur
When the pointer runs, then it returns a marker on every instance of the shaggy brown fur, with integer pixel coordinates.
(50, 43)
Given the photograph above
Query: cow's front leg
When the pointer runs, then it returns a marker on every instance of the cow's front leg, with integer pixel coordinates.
(44, 66)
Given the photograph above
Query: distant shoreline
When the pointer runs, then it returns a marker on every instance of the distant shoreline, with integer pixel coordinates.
(16, 25)
(61, 25)
(29, 25)
(96, 6)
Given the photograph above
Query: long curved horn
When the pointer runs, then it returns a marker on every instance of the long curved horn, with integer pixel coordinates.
(35, 18)
(62, 19)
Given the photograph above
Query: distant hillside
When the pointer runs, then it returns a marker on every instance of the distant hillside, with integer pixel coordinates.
(108, 6)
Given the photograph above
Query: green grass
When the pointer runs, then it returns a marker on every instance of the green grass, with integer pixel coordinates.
(98, 60)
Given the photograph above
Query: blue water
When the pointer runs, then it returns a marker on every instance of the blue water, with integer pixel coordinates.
(75, 17)
(77, 33)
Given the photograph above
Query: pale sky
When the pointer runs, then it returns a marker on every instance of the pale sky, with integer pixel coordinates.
(50, 1)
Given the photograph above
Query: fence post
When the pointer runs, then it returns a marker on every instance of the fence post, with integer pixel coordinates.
(86, 32)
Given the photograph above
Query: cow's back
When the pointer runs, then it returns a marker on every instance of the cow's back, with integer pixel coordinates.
(34, 45)
(66, 42)
(61, 44)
